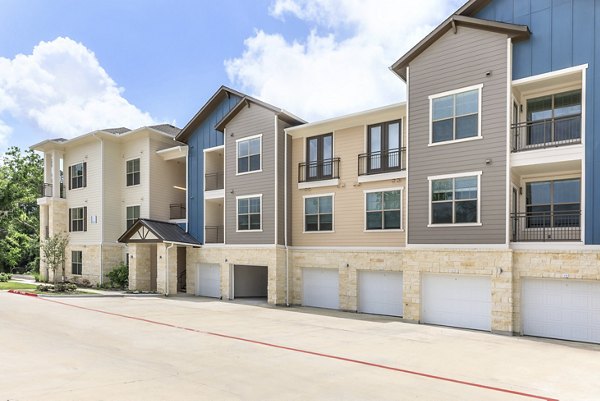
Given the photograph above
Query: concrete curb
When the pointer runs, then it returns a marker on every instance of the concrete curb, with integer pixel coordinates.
(29, 294)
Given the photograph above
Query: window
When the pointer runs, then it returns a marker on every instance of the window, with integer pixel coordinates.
(455, 115)
(133, 213)
(249, 213)
(455, 199)
(78, 219)
(76, 262)
(248, 154)
(133, 172)
(383, 142)
(383, 210)
(318, 213)
(319, 153)
(553, 203)
(77, 176)
(554, 118)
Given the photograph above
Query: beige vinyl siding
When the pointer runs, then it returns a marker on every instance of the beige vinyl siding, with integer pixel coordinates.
(113, 181)
(88, 196)
(281, 126)
(250, 121)
(349, 195)
(456, 61)
(164, 175)
(133, 148)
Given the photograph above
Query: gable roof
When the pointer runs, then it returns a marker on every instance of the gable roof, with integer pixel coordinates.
(203, 113)
(166, 128)
(161, 231)
(516, 32)
(246, 101)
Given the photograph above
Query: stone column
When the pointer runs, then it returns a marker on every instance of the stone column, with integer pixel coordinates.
(139, 267)
(166, 264)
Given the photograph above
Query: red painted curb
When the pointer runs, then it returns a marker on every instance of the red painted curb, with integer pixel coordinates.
(29, 294)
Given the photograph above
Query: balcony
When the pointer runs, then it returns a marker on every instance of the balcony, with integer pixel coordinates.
(177, 211)
(319, 170)
(47, 191)
(214, 181)
(546, 226)
(385, 161)
(551, 132)
(214, 235)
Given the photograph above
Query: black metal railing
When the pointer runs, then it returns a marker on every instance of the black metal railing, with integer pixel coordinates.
(546, 226)
(546, 133)
(214, 181)
(177, 211)
(214, 235)
(47, 191)
(382, 162)
(319, 170)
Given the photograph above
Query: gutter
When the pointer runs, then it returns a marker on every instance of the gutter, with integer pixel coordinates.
(167, 269)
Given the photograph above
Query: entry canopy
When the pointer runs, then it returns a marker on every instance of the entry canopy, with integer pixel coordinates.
(147, 231)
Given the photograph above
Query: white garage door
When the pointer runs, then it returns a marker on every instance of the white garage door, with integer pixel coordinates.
(380, 292)
(208, 280)
(565, 309)
(459, 301)
(320, 288)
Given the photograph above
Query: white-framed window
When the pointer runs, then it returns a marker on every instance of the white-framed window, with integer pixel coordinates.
(76, 262)
(318, 213)
(249, 213)
(132, 174)
(133, 213)
(78, 175)
(249, 151)
(383, 209)
(78, 219)
(455, 115)
(455, 199)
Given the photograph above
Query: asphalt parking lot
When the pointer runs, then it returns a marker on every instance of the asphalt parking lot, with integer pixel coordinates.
(199, 349)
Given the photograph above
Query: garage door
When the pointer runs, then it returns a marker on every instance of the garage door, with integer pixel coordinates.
(320, 288)
(565, 309)
(380, 293)
(208, 282)
(458, 301)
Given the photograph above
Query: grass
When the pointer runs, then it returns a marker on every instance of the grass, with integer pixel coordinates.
(15, 285)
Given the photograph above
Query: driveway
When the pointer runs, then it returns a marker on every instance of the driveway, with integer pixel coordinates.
(198, 349)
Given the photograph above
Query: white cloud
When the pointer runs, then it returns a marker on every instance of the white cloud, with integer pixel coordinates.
(5, 132)
(61, 89)
(342, 65)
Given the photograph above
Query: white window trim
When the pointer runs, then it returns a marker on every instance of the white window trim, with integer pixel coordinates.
(332, 213)
(128, 206)
(367, 191)
(237, 230)
(69, 177)
(128, 160)
(457, 175)
(449, 93)
(247, 138)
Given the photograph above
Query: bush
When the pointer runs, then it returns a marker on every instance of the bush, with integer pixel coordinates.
(44, 287)
(36, 276)
(65, 287)
(119, 276)
(86, 283)
(4, 277)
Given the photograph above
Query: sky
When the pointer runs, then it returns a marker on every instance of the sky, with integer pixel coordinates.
(68, 67)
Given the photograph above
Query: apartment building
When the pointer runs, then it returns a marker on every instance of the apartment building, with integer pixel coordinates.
(97, 185)
(236, 197)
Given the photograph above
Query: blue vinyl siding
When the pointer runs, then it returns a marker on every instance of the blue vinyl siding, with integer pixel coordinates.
(203, 137)
(564, 33)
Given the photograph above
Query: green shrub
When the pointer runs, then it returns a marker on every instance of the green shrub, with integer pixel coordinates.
(36, 276)
(119, 276)
(4, 277)
(44, 287)
(65, 287)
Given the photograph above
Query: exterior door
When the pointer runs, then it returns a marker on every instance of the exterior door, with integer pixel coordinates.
(383, 144)
(319, 152)
(320, 288)
(208, 280)
(515, 213)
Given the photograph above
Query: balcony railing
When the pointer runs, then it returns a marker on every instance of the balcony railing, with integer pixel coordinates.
(382, 162)
(214, 235)
(546, 226)
(319, 170)
(177, 211)
(214, 181)
(547, 133)
(46, 191)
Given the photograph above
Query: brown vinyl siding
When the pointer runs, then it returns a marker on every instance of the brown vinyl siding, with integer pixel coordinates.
(281, 126)
(250, 121)
(456, 61)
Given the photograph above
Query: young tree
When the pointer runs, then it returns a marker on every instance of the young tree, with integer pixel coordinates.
(53, 253)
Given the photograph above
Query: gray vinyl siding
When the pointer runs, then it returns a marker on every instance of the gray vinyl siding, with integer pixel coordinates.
(281, 126)
(453, 62)
(250, 121)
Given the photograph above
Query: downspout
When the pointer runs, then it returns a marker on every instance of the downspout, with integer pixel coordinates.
(285, 220)
(167, 269)
(101, 206)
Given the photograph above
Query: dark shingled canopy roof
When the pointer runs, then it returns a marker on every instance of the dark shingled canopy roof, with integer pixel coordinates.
(165, 231)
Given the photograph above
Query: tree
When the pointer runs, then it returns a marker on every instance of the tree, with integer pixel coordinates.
(53, 252)
(21, 176)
